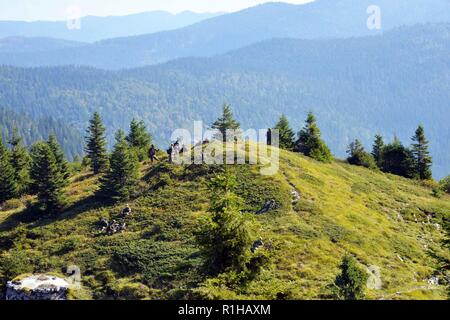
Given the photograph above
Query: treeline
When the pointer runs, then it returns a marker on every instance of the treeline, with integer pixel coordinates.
(413, 162)
(44, 171)
(34, 129)
(309, 140)
(347, 87)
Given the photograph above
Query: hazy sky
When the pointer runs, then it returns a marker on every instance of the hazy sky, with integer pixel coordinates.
(61, 9)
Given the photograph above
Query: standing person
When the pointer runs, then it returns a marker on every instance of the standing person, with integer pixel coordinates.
(170, 153)
(152, 153)
(176, 148)
(269, 137)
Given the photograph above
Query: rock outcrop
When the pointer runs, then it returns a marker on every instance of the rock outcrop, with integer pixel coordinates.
(257, 245)
(37, 287)
(268, 206)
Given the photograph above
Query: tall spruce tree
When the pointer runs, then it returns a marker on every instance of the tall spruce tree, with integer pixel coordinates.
(61, 161)
(422, 158)
(8, 186)
(310, 143)
(398, 160)
(286, 135)
(226, 234)
(351, 282)
(122, 176)
(47, 180)
(377, 150)
(20, 161)
(226, 122)
(139, 139)
(96, 144)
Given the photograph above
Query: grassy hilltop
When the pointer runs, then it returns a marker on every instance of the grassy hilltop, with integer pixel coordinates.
(383, 220)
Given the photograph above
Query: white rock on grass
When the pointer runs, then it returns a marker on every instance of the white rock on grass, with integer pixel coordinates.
(37, 287)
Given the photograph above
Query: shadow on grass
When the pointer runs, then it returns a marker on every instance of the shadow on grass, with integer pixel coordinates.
(33, 216)
(24, 216)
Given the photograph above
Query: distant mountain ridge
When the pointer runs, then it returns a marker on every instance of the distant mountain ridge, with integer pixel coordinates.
(322, 19)
(94, 28)
(38, 44)
(358, 87)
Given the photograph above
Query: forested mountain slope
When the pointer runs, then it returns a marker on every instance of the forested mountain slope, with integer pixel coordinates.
(391, 225)
(31, 130)
(358, 87)
(321, 19)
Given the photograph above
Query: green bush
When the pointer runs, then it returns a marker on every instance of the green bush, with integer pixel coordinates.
(445, 184)
(363, 159)
(154, 259)
(351, 282)
(130, 291)
(437, 192)
(165, 180)
(13, 264)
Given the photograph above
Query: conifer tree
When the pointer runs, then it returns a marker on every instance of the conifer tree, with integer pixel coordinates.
(96, 144)
(422, 158)
(377, 150)
(47, 180)
(355, 148)
(310, 143)
(121, 178)
(61, 161)
(8, 186)
(398, 160)
(20, 161)
(358, 156)
(351, 283)
(226, 122)
(139, 139)
(226, 234)
(286, 135)
(445, 184)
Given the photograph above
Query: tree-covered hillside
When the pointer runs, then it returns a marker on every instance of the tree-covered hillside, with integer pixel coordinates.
(357, 87)
(320, 213)
(39, 128)
(137, 223)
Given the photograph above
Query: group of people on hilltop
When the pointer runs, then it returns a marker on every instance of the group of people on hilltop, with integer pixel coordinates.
(173, 150)
(176, 148)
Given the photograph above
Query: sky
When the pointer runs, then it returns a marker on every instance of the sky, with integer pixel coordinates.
(31, 10)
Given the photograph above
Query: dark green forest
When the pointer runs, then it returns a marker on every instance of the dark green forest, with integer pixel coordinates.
(357, 87)
(35, 129)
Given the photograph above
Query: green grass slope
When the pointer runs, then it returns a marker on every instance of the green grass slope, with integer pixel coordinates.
(383, 220)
